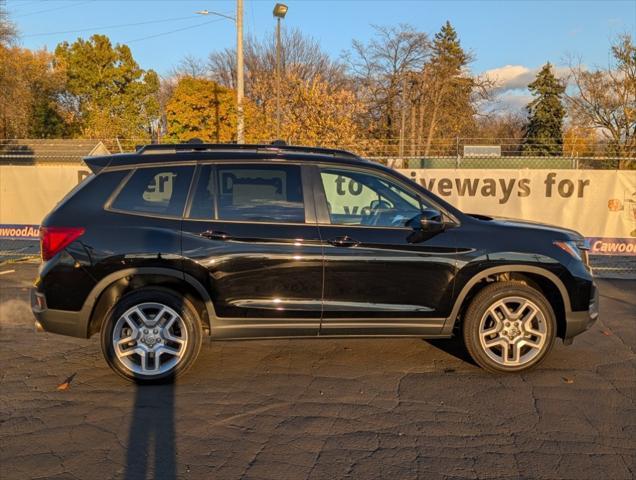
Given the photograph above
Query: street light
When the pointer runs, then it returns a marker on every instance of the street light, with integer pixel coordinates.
(240, 86)
(280, 10)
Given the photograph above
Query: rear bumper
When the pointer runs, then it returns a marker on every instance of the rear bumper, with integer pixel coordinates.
(63, 322)
(578, 322)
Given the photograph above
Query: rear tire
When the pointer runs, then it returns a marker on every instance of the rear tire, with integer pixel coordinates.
(151, 335)
(509, 327)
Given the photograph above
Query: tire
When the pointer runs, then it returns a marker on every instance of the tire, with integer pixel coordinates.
(143, 348)
(503, 337)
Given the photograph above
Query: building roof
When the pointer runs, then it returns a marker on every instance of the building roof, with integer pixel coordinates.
(28, 151)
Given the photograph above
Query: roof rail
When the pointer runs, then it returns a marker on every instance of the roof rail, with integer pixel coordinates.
(277, 147)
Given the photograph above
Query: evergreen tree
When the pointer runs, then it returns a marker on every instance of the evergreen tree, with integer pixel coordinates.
(544, 131)
(447, 86)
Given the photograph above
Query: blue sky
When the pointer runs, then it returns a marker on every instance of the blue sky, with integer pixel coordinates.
(512, 37)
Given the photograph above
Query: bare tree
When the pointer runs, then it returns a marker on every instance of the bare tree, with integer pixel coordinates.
(8, 31)
(383, 71)
(606, 98)
(299, 53)
(191, 66)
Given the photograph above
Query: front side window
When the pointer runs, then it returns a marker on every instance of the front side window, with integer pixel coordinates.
(360, 198)
(259, 193)
(158, 191)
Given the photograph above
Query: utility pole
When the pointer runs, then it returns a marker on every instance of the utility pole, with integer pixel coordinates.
(240, 86)
(278, 77)
(280, 10)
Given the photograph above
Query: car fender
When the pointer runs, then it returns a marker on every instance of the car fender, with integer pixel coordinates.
(101, 286)
(449, 324)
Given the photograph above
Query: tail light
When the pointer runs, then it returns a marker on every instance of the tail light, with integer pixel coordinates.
(54, 239)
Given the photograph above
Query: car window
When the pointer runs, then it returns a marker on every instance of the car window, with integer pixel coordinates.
(258, 193)
(361, 198)
(159, 191)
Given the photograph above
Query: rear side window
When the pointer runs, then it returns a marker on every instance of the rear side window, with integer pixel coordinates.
(158, 191)
(258, 193)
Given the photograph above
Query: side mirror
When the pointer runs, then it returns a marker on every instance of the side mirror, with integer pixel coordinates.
(431, 219)
(428, 223)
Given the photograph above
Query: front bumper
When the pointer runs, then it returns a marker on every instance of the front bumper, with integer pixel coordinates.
(578, 322)
(63, 322)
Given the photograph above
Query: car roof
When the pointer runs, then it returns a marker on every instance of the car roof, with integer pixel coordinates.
(168, 153)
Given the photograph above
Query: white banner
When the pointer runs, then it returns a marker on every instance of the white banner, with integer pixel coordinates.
(601, 204)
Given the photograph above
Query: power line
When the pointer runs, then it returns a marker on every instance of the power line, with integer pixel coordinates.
(173, 31)
(122, 25)
(74, 4)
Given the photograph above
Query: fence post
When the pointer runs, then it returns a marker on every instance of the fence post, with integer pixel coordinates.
(457, 151)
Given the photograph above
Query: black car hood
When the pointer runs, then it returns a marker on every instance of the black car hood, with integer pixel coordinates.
(513, 222)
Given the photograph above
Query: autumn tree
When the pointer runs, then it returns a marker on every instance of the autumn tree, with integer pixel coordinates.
(200, 108)
(318, 106)
(317, 113)
(30, 88)
(544, 131)
(605, 99)
(107, 93)
(580, 141)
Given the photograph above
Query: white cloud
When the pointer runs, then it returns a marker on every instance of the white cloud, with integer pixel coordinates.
(514, 77)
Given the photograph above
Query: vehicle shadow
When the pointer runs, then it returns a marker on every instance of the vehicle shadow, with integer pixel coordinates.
(152, 434)
(452, 346)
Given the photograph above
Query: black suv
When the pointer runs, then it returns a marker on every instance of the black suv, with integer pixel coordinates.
(169, 243)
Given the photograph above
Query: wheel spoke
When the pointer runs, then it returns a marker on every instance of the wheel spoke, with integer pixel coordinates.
(506, 312)
(530, 343)
(169, 336)
(123, 341)
(130, 351)
(520, 309)
(169, 350)
(496, 342)
(515, 349)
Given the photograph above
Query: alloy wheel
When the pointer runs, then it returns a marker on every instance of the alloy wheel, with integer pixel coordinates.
(150, 338)
(513, 331)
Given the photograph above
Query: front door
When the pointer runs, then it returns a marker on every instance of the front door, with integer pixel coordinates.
(250, 228)
(380, 278)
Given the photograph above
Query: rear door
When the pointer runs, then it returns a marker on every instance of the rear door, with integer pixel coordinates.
(380, 278)
(250, 236)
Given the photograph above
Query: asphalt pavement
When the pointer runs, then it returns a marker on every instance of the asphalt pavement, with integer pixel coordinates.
(318, 409)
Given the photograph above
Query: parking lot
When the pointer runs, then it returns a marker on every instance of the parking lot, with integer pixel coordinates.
(328, 409)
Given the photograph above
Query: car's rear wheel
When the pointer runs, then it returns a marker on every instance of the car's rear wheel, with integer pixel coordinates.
(509, 327)
(151, 335)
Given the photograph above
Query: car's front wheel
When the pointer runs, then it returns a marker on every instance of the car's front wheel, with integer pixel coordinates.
(151, 335)
(509, 327)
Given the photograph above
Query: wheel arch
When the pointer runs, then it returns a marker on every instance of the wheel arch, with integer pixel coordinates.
(113, 286)
(539, 278)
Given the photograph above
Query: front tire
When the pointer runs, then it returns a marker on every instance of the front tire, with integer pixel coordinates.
(509, 327)
(151, 335)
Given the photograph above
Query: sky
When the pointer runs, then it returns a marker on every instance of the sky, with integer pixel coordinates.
(509, 39)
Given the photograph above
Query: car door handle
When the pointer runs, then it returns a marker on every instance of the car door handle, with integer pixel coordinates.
(215, 235)
(345, 241)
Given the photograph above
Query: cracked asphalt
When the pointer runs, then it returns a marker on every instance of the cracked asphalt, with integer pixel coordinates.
(324, 409)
